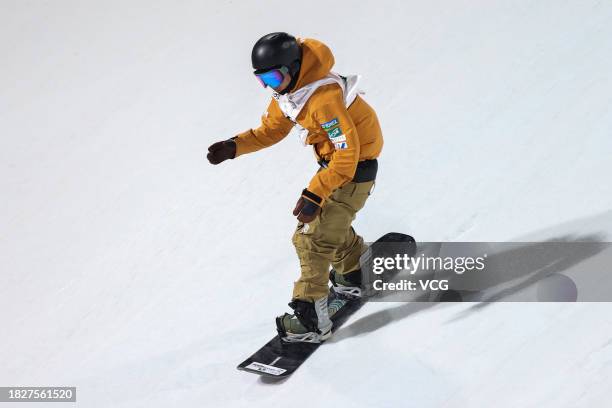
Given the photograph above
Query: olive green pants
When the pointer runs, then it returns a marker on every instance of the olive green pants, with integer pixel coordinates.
(330, 240)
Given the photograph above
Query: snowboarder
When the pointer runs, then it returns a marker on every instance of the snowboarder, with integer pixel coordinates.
(330, 115)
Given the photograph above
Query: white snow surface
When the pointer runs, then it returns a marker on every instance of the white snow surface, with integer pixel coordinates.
(136, 271)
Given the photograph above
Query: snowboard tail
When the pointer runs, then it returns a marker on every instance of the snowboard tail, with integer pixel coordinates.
(279, 359)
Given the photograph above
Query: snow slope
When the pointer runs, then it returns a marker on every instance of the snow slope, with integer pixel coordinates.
(134, 270)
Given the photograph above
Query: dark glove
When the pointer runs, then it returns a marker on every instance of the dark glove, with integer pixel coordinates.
(308, 207)
(221, 151)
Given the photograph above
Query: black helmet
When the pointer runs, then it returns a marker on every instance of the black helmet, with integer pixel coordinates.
(275, 50)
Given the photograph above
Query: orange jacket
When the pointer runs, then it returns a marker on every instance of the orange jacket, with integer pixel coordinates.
(340, 135)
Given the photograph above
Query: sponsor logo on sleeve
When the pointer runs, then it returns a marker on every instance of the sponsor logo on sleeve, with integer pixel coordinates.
(328, 125)
(334, 132)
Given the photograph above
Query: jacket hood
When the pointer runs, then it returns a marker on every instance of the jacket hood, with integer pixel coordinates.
(317, 62)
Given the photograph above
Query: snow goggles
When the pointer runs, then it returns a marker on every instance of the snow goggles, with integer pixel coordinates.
(272, 77)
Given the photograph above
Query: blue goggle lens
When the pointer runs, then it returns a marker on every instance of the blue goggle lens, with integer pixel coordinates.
(272, 78)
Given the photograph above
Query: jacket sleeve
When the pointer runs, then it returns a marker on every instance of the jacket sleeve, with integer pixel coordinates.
(331, 114)
(274, 127)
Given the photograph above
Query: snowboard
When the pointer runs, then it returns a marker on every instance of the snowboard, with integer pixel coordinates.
(278, 359)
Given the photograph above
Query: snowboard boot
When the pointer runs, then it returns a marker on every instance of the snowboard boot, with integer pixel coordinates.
(309, 324)
(348, 284)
